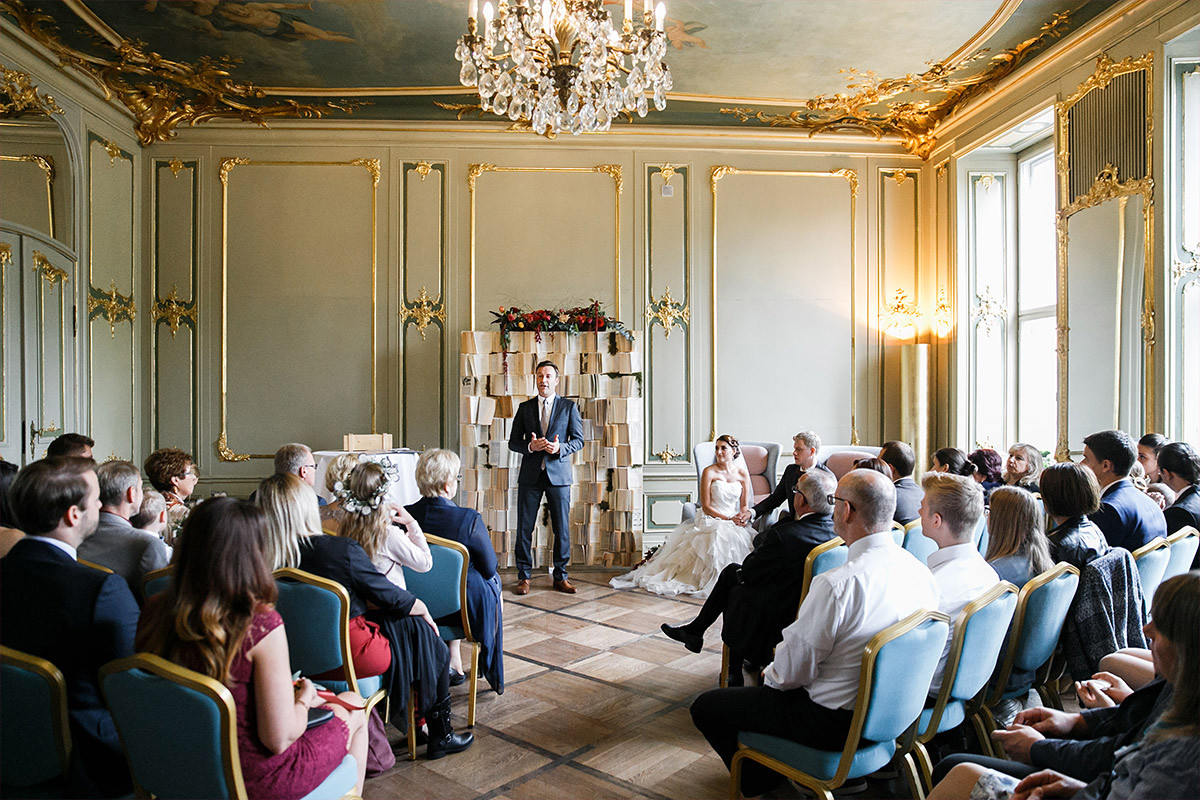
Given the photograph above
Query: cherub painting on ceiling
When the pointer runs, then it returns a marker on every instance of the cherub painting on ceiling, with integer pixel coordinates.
(679, 33)
(272, 20)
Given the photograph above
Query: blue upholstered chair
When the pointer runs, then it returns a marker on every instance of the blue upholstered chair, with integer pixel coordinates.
(1042, 607)
(35, 741)
(179, 732)
(1152, 559)
(917, 542)
(156, 581)
(316, 619)
(1183, 552)
(898, 533)
(443, 589)
(897, 668)
(978, 637)
(982, 541)
(827, 555)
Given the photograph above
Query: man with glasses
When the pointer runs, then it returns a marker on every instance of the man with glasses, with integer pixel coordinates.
(810, 688)
(759, 596)
(297, 459)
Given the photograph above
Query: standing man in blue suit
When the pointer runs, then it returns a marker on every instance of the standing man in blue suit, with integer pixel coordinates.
(546, 431)
(1127, 515)
(74, 616)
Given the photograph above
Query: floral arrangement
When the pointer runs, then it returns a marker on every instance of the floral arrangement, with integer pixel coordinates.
(570, 320)
(364, 506)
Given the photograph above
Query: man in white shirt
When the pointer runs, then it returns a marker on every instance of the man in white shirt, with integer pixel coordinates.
(950, 510)
(811, 686)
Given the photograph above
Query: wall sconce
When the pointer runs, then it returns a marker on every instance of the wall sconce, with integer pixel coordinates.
(900, 316)
(943, 316)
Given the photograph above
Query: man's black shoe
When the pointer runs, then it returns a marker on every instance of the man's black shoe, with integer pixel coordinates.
(680, 633)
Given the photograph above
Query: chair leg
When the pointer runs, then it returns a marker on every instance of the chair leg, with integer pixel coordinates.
(908, 766)
(735, 775)
(474, 687)
(926, 765)
(412, 725)
(724, 681)
(984, 723)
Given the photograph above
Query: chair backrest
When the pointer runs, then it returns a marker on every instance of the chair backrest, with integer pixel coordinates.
(1152, 560)
(840, 458)
(980, 532)
(1042, 607)
(1183, 552)
(827, 555)
(35, 741)
(979, 634)
(156, 581)
(316, 619)
(178, 728)
(444, 587)
(898, 532)
(898, 666)
(761, 458)
(982, 541)
(918, 543)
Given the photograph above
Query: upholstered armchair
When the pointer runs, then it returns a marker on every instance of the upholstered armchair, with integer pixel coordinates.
(840, 458)
(761, 459)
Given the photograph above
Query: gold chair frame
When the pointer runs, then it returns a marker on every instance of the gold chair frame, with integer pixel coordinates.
(58, 697)
(94, 565)
(154, 574)
(912, 523)
(824, 789)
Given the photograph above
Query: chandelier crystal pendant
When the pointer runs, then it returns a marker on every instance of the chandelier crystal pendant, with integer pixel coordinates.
(561, 65)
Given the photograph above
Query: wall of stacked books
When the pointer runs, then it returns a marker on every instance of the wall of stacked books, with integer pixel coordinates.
(602, 373)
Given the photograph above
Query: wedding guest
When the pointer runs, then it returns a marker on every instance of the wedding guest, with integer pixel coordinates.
(173, 472)
(116, 543)
(437, 514)
(10, 533)
(75, 445)
(336, 473)
(216, 617)
(1147, 453)
(1017, 546)
(952, 460)
(873, 463)
(152, 515)
(1070, 493)
(297, 459)
(1179, 467)
(900, 459)
(390, 536)
(1126, 515)
(1023, 467)
(987, 470)
(805, 446)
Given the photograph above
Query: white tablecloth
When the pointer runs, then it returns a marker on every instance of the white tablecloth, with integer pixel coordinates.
(403, 492)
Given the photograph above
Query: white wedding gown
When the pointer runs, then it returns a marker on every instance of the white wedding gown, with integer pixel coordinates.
(694, 554)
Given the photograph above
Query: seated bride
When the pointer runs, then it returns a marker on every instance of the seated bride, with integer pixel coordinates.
(696, 551)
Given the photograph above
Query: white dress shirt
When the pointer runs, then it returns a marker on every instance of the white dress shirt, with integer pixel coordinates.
(962, 576)
(880, 584)
(59, 543)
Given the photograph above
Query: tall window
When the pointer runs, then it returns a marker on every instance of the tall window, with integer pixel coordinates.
(1036, 330)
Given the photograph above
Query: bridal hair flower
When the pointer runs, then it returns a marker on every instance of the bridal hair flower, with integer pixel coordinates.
(365, 506)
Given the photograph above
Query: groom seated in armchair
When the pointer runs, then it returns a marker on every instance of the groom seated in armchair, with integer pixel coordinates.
(759, 596)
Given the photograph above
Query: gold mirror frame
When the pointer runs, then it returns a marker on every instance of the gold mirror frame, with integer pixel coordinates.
(1106, 186)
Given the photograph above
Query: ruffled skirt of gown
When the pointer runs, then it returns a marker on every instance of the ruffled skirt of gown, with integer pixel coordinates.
(691, 558)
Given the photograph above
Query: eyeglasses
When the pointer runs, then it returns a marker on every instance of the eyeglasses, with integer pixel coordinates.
(833, 498)
(190, 473)
(308, 466)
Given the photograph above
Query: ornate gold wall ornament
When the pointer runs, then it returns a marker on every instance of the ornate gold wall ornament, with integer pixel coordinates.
(113, 150)
(171, 310)
(667, 172)
(667, 312)
(423, 168)
(900, 176)
(720, 172)
(372, 166)
(5, 254)
(227, 165)
(943, 315)
(851, 177)
(986, 181)
(900, 315)
(112, 305)
(176, 166)
(667, 455)
(941, 168)
(423, 311)
(50, 273)
(23, 96)
(161, 94)
(474, 171)
(871, 105)
(45, 163)
(225, 453)
(989, 310)
(613, 171)
(1184, 268)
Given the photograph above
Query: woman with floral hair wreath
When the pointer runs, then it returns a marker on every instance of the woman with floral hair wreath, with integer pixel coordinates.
(390, 536)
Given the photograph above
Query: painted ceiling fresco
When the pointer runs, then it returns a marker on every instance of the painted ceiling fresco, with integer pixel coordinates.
(735, 62)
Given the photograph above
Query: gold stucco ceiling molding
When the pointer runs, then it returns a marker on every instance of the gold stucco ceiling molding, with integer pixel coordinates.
(878, 106)
(18, 95)
(162, 94)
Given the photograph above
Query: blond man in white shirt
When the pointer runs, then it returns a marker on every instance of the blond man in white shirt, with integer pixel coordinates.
(950, 511)
(810, 688)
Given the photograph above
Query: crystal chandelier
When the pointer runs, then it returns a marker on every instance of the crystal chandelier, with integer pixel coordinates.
(562, 65)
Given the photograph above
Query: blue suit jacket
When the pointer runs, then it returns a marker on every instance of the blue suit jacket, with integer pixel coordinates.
(1128, 517)
(565, 423)
(78, 618)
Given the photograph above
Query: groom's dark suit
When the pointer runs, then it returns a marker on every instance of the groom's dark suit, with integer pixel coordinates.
(545, 473)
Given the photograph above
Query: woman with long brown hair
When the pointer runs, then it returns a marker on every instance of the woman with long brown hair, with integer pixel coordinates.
(217, 618)
(1017, 544)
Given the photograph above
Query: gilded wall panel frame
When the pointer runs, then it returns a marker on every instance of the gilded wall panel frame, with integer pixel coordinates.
(50, 279)
(170, 310)
(423, 310)
(109, 304)
(6, 260)
(46, 164)
(664, 311)
(851, 177)
(474, 171)
(1106, 186)
(891, 179)
(226, 165)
